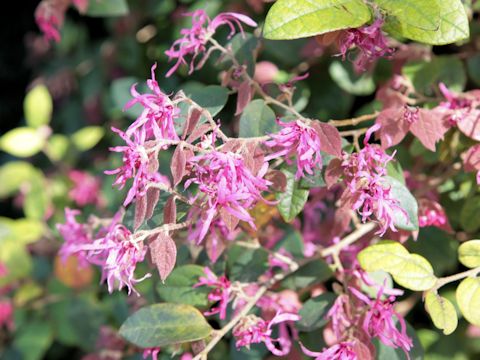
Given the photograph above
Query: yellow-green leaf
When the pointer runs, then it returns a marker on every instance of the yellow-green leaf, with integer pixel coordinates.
(57, 147)
(293, 19)
(86, 138)
(442, 312)
(469, 253)
(37, 106)
(22, 142)
(468, 299)
(13, 174)
(412, 271)
(22, 231)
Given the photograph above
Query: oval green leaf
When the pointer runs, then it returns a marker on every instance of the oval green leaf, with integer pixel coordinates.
(22, 142)
(469, 253)
(293, 19)
(164, 324)
(468, 299)
(442, 312)
(293, 199)
(104, 8)
(314, 310)
(411, 271)
(257, 120)
(406, 201)
(86, 138)
(37, 106)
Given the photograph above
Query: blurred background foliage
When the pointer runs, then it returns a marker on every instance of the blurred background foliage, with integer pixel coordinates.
(58, 103)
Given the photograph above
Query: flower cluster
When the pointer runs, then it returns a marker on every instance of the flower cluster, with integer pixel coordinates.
(86, 188)
(300, 140)
(367, 190)
(195, 39)
(370, 42)
(228, 186)
(221, 292)
(340, 351)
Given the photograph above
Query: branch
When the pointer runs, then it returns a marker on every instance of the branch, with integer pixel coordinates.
(348, 240)
(460, 276)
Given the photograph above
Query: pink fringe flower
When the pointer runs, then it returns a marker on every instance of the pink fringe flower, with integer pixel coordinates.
(194, 40)
(50, 15)
(366, 189)
(159, 112)
(227, 185)
(6, 314)
(153, 352)
(221, 292)
(340, 351)
(254, 330)
(379, 321)
(86, 188)
(300, 140)
(75, 236)
(370, 42)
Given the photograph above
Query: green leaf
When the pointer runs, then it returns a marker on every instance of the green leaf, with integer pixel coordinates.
(313, 312)
(314, 272)
(22, 231)
(257, 119)
(395, 170)
(22, 142)
(34, 339)
(293, 199)
(345, 77)
(435, 22)
(244, 48)
(37, 199)
(246, 265)
(17, 260)
(13, 174)
(293, 19)
(473, 66)
(425, 75)
(468, 299)
(57, 146)
(120, 95)
(442, 312)
(105, 8)
(470, 214)
(469, 253)
(292, 241)
(86, 138)
(178, 287)
(164, 324)
(406, 201)
(38, 106)
(212, 97)
(411, 271)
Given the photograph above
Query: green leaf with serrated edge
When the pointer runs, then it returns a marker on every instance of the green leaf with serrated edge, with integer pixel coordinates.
(293, 19)
(468, 299)
(86, 138)
(165, 324)
(435, 22)
(105, 8)
(312, 314)
(469, 253)
(38, 106)
(407, 202)
(293, 199)
(257, 120)
(411, 271)
(470, 213)
(178, 287)
(22, 142)
(442, 312)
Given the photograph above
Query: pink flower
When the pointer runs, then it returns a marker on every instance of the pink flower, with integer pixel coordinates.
(158, 114)
(340, 351)
(366, 189)
(153, 352)
(431, 213)
(255, 330)
(139, 164)
(75, 236)
(338, 316)
(221, 292)
(195, 39)
(49, 16)
(379, 321)
(370, 42)
(6, 314)
(300, 140)
(86, 188)
(227, 185)
(459, 105)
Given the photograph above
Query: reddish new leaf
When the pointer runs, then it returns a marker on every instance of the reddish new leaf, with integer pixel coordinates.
(429, 128)
(394, 127)
(330, 139)
(333, 172)
(140, 212)
(230, 221)
(244, 95)
(278, 180)
(198, 132)
(253, 156)
(192, 121)
(471, 159)
(178, 165)
(470, 124)
(164, 254)
(152, 196)
(170, 211)
(214, 247)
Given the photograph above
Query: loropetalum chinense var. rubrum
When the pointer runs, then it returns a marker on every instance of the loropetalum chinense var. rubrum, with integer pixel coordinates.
(217, 189)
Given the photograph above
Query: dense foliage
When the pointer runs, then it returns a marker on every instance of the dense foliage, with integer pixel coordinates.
(297, 179)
